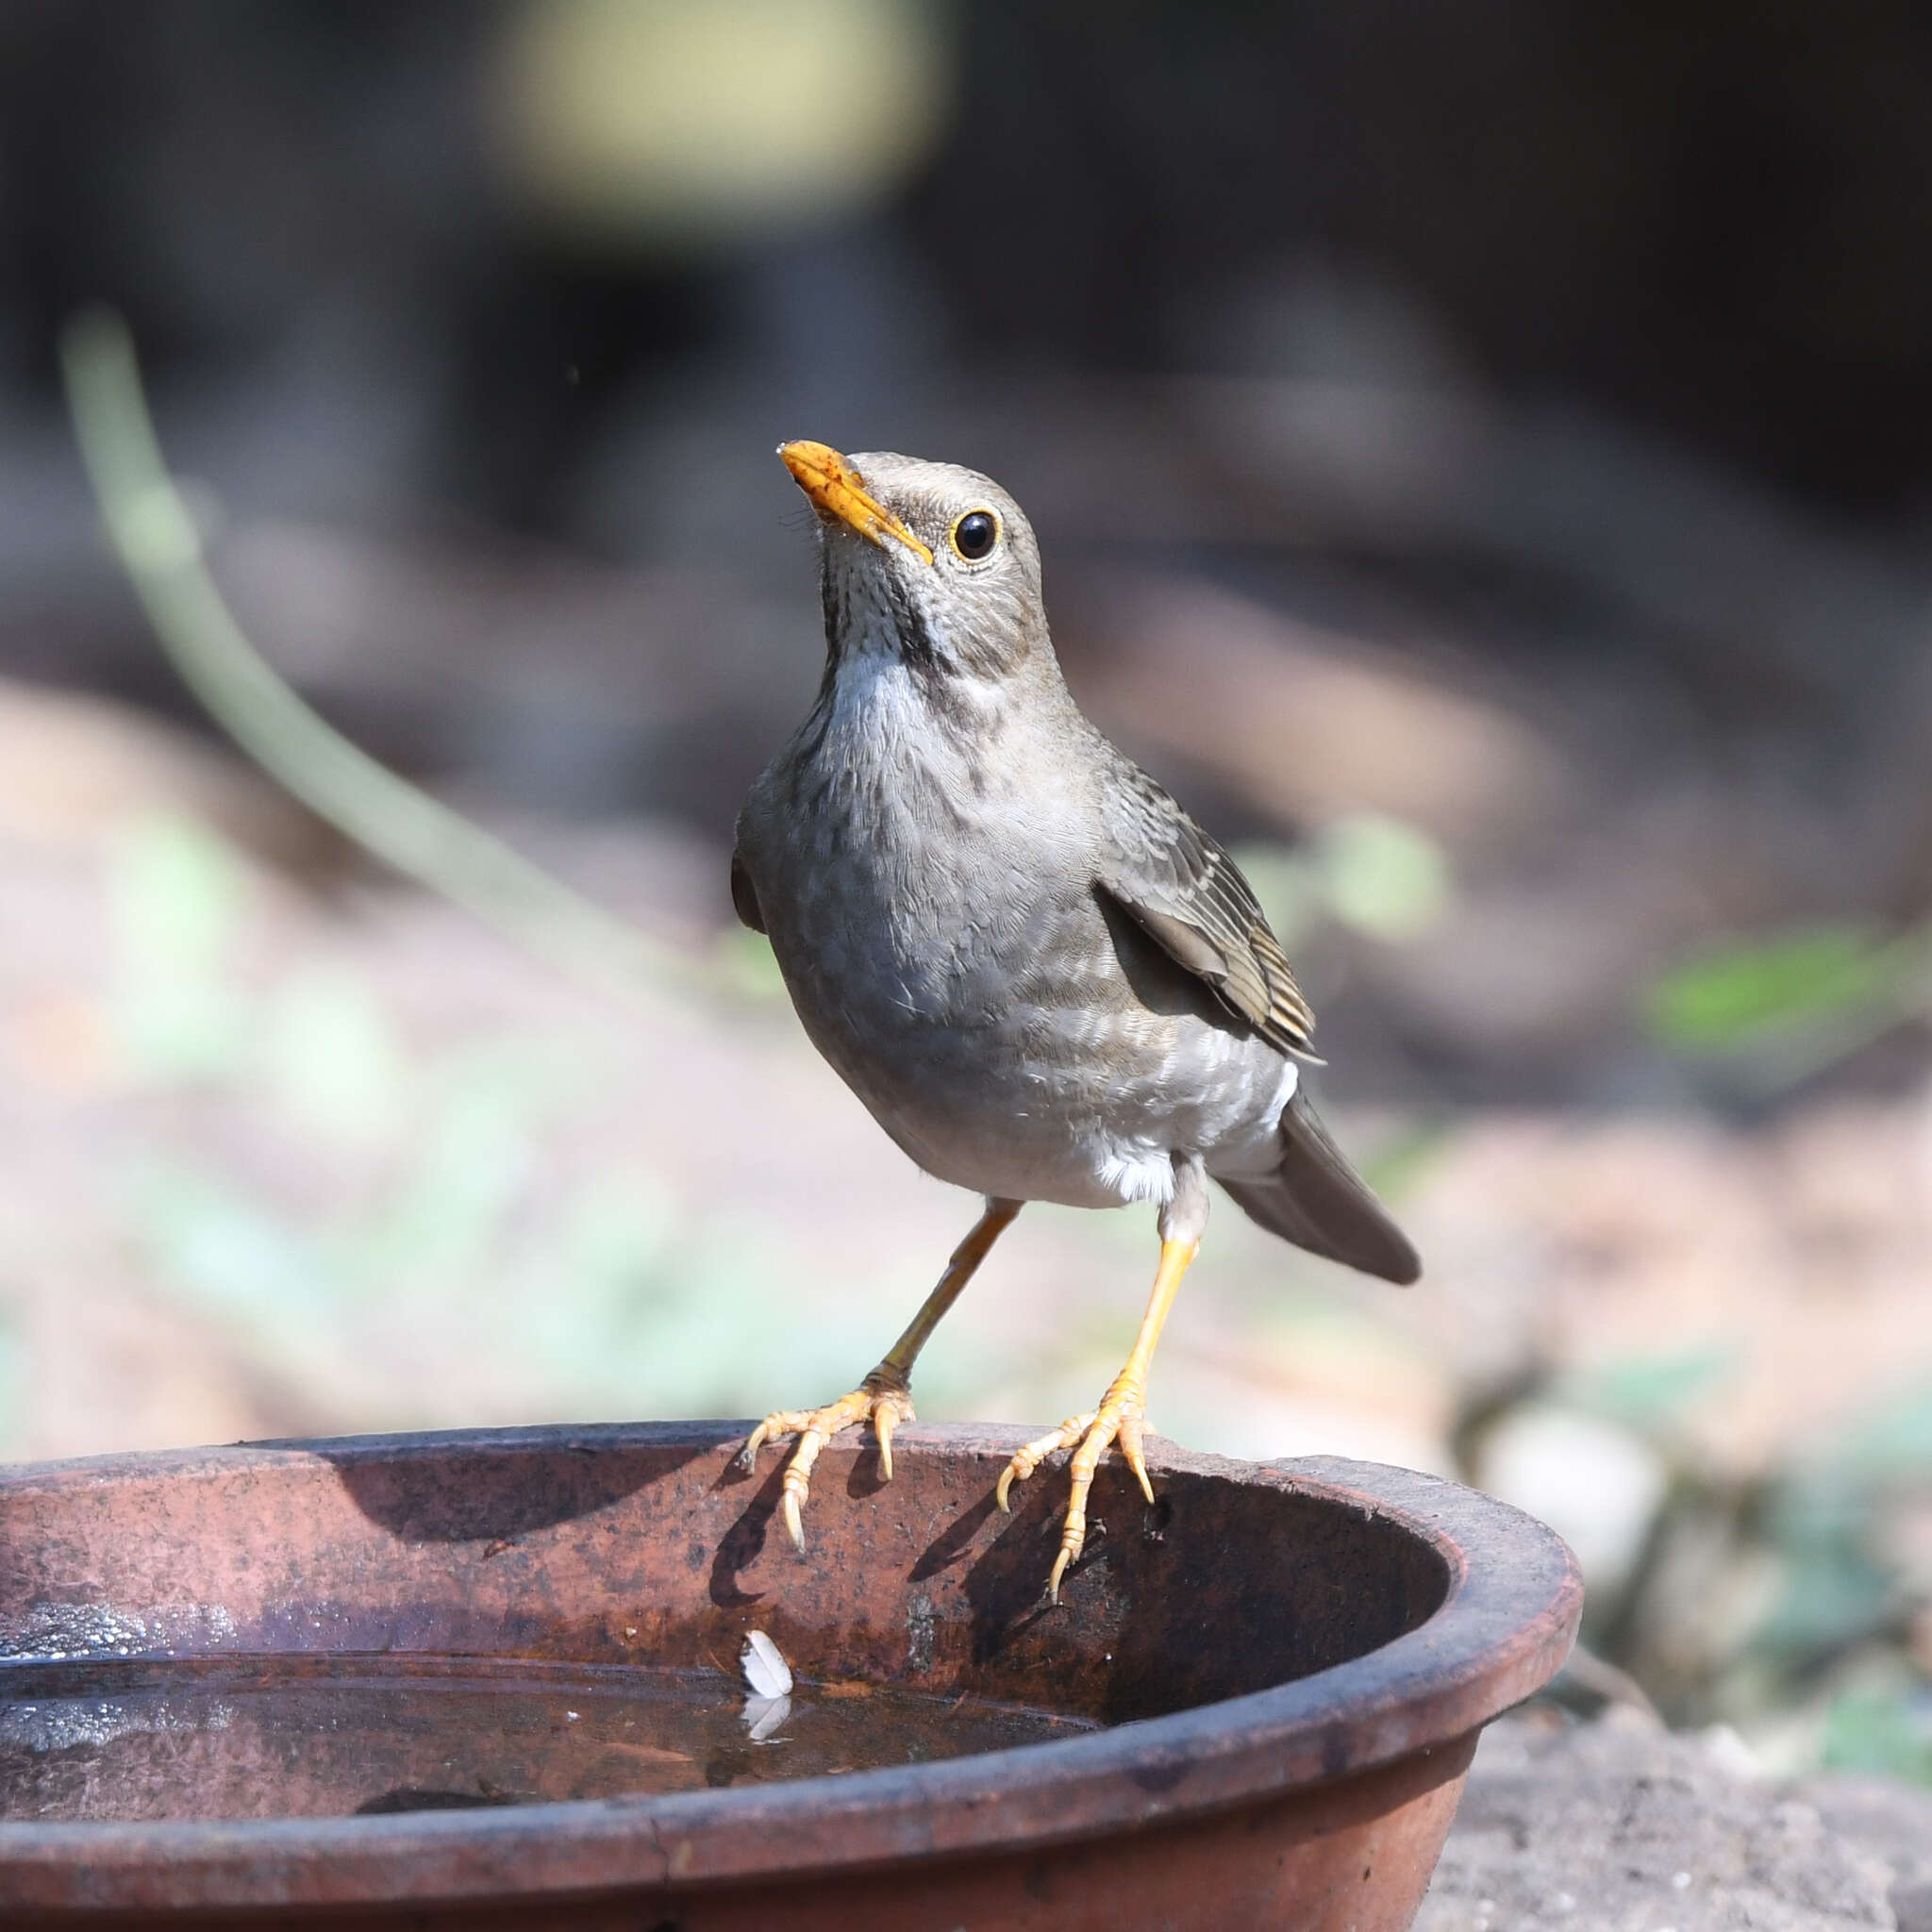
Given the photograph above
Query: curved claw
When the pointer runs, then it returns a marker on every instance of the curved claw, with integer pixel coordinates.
(1074, 1533)
(1128, 1443)
(1060, 1569)
(798, 1486)
(1117, 1423)
(1024, 1461)
(887, 1403)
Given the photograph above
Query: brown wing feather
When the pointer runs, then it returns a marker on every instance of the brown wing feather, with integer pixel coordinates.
(1190, 897)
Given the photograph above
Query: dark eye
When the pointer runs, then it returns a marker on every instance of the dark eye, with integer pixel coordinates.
(975, 535)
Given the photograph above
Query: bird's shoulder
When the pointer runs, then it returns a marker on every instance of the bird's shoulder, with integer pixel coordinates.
(1178, 883)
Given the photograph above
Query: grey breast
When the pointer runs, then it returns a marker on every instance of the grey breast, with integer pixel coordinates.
(943, 943)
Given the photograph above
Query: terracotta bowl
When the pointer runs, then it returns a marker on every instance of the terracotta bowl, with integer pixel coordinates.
(1290, 1661)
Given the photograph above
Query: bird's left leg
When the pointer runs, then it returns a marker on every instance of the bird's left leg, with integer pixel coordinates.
(884, 1397)
(1123, 1409)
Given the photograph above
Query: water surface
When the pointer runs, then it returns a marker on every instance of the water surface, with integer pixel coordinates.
(331, 1737)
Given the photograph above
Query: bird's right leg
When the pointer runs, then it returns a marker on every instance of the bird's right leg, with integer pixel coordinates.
(884, 1397)
(1121, 1417)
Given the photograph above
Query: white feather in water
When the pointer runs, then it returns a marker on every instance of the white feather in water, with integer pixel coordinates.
(763, 1715)
(766, 1673)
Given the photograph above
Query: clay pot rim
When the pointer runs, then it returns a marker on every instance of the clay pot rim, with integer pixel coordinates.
(1507, 1623)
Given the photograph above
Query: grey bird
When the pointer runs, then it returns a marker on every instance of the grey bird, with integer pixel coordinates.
(1043, 978)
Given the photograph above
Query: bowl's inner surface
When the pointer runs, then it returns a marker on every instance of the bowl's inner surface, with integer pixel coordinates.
(393, 1626)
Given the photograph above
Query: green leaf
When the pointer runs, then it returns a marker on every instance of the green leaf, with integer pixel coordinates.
(1738, 995)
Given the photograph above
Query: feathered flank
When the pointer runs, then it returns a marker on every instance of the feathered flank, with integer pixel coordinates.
(1191, 899)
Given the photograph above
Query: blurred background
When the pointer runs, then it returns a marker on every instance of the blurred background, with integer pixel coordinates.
(1483, 458)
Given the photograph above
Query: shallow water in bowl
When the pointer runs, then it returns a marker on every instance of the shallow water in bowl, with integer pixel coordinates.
(331, 1737)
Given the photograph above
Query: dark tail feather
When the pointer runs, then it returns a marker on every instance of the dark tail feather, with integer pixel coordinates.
(1319, 1202)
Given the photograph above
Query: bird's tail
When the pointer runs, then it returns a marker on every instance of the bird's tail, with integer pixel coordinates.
(1316, 1200)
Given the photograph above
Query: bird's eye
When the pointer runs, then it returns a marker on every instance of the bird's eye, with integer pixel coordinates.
(975, 535)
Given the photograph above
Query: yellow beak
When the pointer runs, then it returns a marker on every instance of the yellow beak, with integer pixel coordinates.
(837, 494)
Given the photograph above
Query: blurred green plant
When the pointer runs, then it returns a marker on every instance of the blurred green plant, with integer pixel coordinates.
(155, 535)
(1785, 1605)
(1889, 1733)
(1371, 874)
(175, 894)
(233, 1256)
(440, 1201)
(1649, 1393)
(1790, 1004)
(1824, 1516)
(329, 1058)
(599, 1285)
(1382, 876)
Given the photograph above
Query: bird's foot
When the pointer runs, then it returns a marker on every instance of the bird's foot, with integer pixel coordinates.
(1118, 1420)
(882, 1399)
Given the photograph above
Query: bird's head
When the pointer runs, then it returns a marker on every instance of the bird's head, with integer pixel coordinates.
(925, 562)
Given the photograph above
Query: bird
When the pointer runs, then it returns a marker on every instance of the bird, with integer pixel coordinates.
(1044, 980)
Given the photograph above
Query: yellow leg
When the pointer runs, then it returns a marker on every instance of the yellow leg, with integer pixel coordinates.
(1119, 1418)
(884, 1397)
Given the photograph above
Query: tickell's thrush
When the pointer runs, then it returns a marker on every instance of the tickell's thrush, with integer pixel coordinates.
(1044, 979)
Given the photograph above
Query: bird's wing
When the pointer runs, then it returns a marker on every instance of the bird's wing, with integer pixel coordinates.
(1190, 897)
(744, 898)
